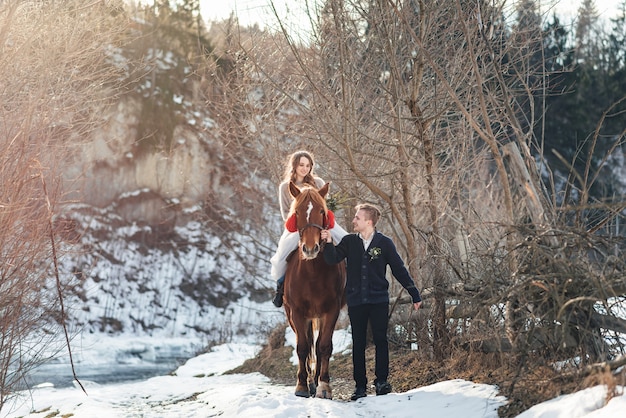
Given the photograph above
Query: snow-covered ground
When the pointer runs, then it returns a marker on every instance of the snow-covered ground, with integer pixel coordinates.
(199, 388)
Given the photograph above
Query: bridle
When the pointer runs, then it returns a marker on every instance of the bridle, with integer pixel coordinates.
(310, 225)
(315, 225)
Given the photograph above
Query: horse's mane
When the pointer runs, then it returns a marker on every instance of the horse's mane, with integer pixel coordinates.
(311, 192)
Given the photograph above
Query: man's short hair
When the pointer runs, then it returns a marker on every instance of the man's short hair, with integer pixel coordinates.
(372, 211)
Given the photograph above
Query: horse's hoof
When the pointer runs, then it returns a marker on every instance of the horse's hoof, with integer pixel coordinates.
(303, 393)
(324, 391)
(312, 388)
(324, 395)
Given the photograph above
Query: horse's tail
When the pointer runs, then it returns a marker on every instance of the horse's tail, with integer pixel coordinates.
(312, 333)
(315, 324)
(315, 332)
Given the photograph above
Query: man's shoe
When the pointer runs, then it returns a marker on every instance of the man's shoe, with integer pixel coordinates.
(382, 388)
(358, 393)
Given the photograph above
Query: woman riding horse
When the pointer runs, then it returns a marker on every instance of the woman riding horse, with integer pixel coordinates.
(299, 170)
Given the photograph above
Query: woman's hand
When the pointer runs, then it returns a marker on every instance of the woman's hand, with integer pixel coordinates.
(326, 235)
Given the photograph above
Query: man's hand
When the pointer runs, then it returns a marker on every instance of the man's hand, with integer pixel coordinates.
(417, 305)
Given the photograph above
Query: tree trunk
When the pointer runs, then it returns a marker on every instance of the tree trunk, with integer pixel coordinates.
(441, 336)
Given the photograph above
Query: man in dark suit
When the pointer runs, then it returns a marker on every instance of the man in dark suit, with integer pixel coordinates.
(368, 253)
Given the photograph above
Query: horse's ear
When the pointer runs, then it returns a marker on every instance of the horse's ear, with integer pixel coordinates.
(324, 190)
(293, 189)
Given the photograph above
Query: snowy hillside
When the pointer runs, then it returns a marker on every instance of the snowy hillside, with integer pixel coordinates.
(151, 280)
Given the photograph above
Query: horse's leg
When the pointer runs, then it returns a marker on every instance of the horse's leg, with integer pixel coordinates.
(301, 326)
(324, 349)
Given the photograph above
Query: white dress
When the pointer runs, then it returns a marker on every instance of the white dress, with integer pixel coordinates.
(289, 240)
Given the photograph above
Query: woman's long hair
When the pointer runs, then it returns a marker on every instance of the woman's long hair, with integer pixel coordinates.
(292, 164)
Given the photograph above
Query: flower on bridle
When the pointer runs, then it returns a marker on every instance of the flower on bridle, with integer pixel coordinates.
(374, 253)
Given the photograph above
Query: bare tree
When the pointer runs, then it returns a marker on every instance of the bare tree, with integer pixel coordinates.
(428, 109)
(57, 73)
(383, 83)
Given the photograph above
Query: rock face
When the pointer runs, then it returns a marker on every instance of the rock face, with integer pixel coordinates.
(111, 166)
(165, 241)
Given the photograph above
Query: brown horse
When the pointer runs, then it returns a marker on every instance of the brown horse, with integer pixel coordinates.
(314, 293)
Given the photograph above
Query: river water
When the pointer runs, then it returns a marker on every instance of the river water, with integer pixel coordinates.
(60, 375)
(114, 360)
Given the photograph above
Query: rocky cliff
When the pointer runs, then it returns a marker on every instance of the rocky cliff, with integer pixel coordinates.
(163, 242)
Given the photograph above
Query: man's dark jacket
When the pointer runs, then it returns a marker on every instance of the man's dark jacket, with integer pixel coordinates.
(366, 282)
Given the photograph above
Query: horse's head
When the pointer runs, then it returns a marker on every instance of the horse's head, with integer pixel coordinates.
(311, 217)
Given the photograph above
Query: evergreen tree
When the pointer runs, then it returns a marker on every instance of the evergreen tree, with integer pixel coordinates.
(587, 32)
(558, 63)
(173, 46)
(578, 97)
(616, 48)
(558, 53)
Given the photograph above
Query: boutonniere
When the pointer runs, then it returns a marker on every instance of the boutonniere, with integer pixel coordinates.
(374, 253)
